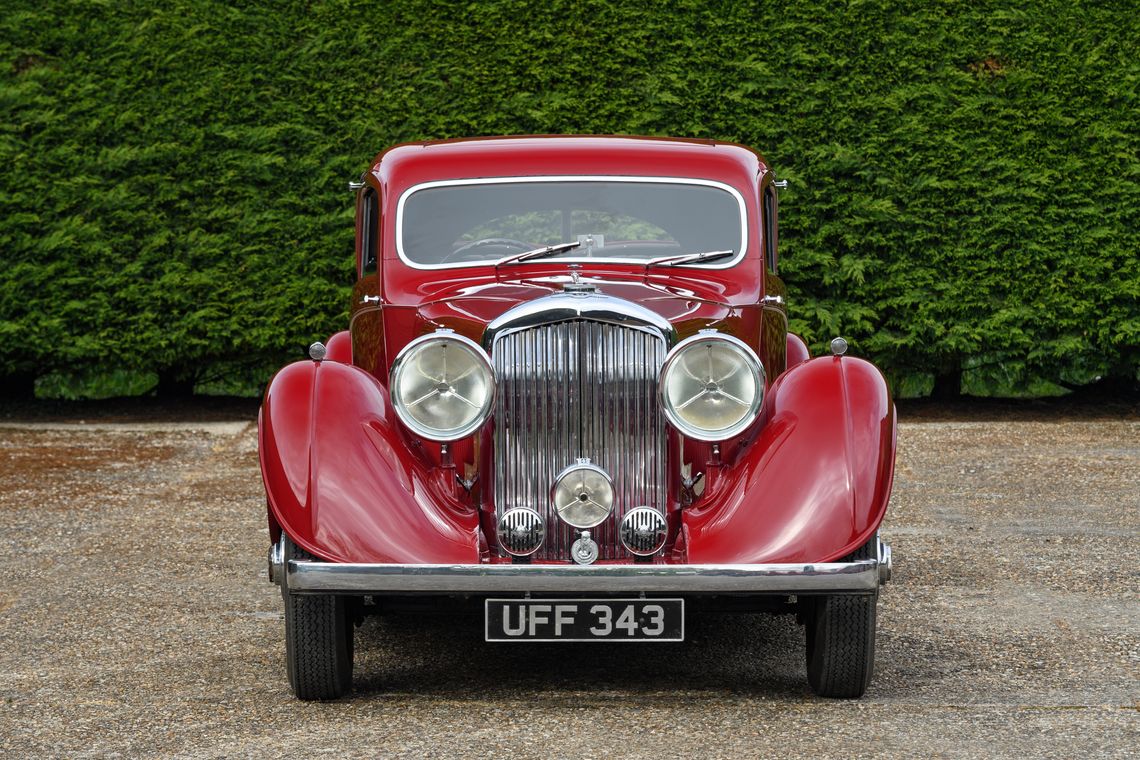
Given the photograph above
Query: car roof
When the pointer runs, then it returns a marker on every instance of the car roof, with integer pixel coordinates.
(539, 155)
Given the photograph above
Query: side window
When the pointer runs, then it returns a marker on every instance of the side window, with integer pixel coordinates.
(369, 216)
(770, 228)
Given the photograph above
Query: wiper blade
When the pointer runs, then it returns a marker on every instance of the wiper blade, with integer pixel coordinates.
(689, 258)
(537, 253)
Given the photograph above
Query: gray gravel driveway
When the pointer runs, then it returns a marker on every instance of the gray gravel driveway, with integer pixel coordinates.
(136, 620)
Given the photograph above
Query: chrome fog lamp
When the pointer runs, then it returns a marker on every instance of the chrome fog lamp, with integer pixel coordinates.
(583, 495)
(521, 531)
(643, 531)
(711, 386)
(442, 386)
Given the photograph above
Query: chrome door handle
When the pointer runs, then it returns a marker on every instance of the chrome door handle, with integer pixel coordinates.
(773, 301)
(370, 299)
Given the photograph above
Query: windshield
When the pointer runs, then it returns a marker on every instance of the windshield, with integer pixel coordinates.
(616, 219)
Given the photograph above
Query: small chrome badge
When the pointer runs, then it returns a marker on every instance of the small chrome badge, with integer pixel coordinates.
(576, 285)
(585, 550)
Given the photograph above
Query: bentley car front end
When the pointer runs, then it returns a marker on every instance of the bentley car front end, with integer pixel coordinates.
(568, 395)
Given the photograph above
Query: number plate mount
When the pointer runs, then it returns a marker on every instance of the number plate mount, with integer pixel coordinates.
(585, 620)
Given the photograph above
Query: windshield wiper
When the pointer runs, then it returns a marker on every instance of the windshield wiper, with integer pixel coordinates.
(537, 253)
(689, 258)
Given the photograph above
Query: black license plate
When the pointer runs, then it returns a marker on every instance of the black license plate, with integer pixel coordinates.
(585, 620)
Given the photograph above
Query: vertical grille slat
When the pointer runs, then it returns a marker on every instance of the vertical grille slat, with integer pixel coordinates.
(578, 389)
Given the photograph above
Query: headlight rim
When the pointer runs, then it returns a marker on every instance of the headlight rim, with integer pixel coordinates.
(435, 434)
(723, 434)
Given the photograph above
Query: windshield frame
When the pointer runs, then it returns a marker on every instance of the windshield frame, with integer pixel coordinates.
(725, 264)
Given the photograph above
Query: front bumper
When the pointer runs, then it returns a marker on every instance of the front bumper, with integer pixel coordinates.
(308, 577)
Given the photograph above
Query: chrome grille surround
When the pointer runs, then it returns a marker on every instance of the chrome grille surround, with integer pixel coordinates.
(577, 378)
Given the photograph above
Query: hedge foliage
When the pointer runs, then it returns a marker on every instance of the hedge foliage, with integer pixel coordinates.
(963, 175)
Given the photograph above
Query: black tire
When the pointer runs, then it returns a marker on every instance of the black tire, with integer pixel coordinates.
(841, 639)
(318, 640)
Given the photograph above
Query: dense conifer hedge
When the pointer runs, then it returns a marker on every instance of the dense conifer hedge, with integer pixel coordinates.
(964, 175)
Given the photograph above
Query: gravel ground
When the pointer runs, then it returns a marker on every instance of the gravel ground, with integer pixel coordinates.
(135, 619)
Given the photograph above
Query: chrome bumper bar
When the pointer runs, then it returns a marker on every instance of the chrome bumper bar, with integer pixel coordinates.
(306, 577)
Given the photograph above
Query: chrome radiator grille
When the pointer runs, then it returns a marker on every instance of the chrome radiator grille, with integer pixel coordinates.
(579, 389)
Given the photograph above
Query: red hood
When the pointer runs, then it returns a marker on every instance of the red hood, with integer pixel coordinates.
(689, 300)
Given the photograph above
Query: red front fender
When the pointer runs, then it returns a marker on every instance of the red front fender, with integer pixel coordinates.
(343, 482)
(814, 484)
(339, 348)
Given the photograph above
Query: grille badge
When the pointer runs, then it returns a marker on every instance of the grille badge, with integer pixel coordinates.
(579, 288)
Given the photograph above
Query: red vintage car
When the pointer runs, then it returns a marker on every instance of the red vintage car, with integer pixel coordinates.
(568, 394)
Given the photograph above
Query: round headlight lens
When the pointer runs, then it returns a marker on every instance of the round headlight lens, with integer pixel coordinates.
(711, 386)
(583, 495)
(442, 386)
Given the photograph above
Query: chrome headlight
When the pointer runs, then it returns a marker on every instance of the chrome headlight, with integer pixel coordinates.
(521, 531)
(442, 386)
(583, 495)
(711, 386)
(643, 531)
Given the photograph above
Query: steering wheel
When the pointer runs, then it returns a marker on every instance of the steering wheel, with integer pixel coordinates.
(483, 243)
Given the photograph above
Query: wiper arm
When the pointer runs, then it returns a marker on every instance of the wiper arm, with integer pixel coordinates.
(537, 253)
(689, 258)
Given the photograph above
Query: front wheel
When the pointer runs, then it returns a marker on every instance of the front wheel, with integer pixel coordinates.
(841, 638)
(318, 640)
(841, 645)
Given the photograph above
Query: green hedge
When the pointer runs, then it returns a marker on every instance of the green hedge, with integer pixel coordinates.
(964, 176)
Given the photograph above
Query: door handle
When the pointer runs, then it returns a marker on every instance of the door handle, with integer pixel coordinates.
(369, 299)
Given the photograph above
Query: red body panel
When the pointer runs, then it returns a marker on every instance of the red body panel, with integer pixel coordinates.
(339, 348)
(814, 485)
(342, 481)
(797, 350)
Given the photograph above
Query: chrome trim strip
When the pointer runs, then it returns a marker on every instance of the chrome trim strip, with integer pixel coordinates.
(569, 178)
(861, 577)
